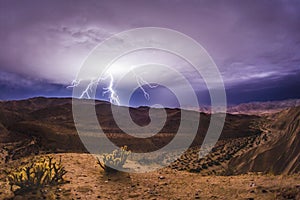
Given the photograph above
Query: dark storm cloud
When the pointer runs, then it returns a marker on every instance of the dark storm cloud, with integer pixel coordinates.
(279, 89)
(16, 86)
(252, 42)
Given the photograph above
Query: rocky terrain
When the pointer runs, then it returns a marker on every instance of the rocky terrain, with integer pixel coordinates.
(274, 150)
(87, 181)
(261, 150)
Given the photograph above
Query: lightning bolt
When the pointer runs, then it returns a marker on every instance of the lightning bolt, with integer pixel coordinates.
(93, 83)
(140, 81)
(74, 83)
(113, 97)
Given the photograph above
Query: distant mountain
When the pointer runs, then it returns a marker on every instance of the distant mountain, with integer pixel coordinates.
(49, 123)
(253, 108)
(263, 107)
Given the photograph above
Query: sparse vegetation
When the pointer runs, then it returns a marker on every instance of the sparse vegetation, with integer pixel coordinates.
(37, 174)
(115, 160)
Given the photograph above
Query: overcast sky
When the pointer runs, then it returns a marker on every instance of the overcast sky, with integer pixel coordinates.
(255, 44)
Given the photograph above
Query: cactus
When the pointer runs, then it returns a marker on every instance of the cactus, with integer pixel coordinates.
(37, 174)
(114, 160)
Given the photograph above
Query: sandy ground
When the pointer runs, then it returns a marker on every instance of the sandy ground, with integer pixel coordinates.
(86, 180)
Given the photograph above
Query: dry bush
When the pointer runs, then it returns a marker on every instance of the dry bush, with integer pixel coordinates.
(115, 160)
(37, 174)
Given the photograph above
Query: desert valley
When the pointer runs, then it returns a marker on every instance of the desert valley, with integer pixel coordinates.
(256, 157)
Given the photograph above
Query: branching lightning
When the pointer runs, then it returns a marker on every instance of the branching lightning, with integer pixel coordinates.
(89, 88)
(113, 97)
(140, 81)
(74, 83)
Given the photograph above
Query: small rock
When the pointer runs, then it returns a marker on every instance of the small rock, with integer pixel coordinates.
(252, 185)
(161, 177)
(133, 195)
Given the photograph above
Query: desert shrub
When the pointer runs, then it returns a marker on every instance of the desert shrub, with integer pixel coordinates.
(115, 160)
(215, 162)
(228, 156)
(36, 174)
(196, 170)
(204, 166)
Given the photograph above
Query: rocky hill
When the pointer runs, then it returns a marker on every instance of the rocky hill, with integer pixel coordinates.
(265, 143)
(280, 153)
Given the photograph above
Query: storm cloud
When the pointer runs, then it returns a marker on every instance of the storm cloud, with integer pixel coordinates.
(254, 43)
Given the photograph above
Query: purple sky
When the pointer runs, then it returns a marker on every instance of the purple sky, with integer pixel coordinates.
(255, 44)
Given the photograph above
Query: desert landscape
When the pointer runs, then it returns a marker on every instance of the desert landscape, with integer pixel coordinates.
(256, 157)
(158, 100)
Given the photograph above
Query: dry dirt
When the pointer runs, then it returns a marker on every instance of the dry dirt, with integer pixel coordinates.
(86, 180)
